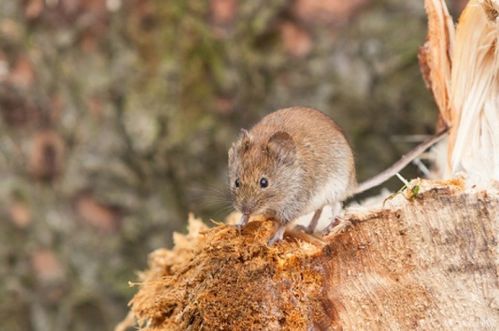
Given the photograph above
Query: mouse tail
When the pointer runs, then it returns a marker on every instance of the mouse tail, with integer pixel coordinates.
(400, 164)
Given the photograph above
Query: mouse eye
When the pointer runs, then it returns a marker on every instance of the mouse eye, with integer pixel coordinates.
(264, 182)
(237, 182)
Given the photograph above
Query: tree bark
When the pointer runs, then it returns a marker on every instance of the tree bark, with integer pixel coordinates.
(428, 261)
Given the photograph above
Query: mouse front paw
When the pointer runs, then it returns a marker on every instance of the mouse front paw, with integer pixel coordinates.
(242, 222)
(277, 236)
(239, 228)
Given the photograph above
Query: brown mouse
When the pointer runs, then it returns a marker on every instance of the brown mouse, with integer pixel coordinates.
(293, 162)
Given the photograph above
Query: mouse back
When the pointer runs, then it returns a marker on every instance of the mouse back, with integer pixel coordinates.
(322, 150)
(303, 155)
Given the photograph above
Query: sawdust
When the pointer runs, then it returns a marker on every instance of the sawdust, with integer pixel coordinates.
(220, 279)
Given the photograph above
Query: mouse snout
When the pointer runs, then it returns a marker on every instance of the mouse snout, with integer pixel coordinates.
(246, 208)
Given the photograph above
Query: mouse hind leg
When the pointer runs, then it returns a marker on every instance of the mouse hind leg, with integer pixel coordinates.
(314, 221)
(337, 224)
(312, 225)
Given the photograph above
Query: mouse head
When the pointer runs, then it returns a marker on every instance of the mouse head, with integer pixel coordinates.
(260, 172)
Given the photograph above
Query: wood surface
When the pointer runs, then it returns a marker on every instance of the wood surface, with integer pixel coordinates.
(427, 260)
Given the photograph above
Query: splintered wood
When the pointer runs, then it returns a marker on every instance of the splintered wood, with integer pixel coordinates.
(428, 263)
(461, 67)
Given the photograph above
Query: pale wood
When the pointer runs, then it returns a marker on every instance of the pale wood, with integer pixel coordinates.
(431, 265)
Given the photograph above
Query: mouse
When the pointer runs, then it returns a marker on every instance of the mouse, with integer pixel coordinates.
(296, 161)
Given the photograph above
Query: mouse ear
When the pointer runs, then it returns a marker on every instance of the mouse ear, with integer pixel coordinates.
(282, 146)
(244, 139)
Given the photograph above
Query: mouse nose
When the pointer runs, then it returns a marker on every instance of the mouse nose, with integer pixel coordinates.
(246, 209)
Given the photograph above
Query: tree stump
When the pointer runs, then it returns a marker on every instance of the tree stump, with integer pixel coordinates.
(428, 261)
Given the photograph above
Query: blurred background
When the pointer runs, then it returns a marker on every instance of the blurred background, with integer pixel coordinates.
(116, 117)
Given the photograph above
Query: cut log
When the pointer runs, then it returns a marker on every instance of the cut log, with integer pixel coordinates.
(429, 261)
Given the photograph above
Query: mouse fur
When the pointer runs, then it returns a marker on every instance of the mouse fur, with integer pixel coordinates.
(305, 159)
